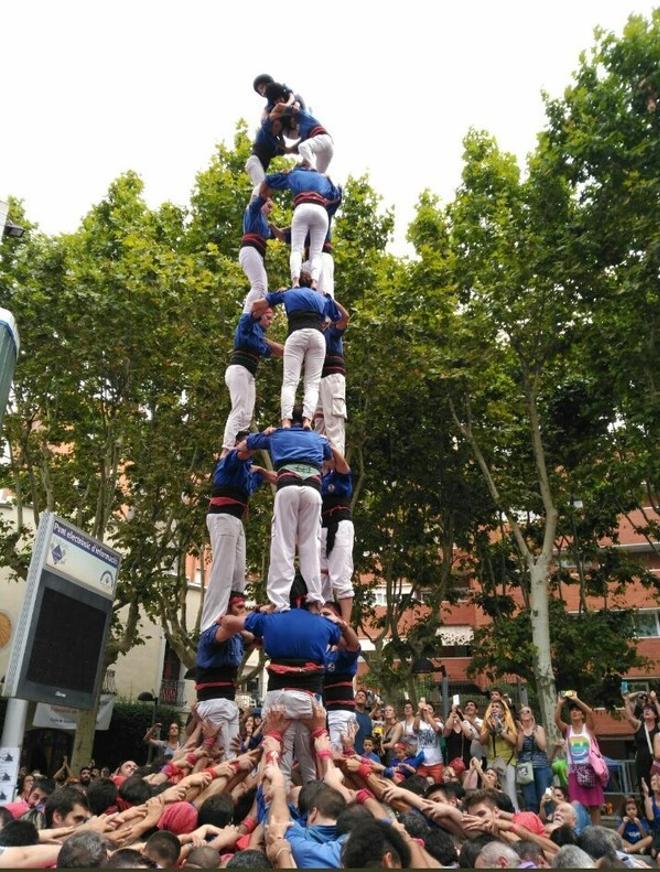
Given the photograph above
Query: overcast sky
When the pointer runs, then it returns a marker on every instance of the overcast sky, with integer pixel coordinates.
(93, 88)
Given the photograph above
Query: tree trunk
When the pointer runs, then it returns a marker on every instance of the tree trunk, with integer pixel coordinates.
(540, 620)
(83, 744)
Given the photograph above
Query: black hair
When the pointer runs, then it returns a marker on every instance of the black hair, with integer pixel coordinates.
(416, 784)
(473, 797)
(63, 801)
(203, 857)
(453, 788)
(368, 842)
(134, 790)
(440, 846)
(101, 794)
(435, 788)
(217, 810)
(47, 785)
(5, 816)
(307, 794)
(83, 850)
(240, 436)
(416, 826)
(503, 802)
(328, 801)
(352, 815)
(471, 849)
(249, 859)
(17, 834)
(244, 804)
(128, 858)
(563, 835)
(164, 848)
(263, 79)
(275, 91)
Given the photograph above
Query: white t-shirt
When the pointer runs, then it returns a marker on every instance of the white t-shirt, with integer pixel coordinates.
(429, 742)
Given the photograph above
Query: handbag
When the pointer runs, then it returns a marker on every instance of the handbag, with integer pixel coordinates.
(585, 775)
(524, 772)
(597, 763)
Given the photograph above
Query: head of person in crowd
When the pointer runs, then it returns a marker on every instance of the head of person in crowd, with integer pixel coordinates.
(408, 710)
(105, 772)
(564, 835)
(559, 793)
(565, 815)
(369, 745)
(17, 834)
(375, 844)
(163, 848)
(85, 850)
(572, 857)
(350, 817)
(649, 716)
(236, 607)
(95, 772)
(575, 714)
(496, 855)
(400, 751)
(173, 732)
(417, 784)
(389, 714)
(5, 816)
(491, 778)
(454, 793)
(202, 857)
(128, 858)
(261, 83)
(41, 790)
(25, 784)
(102, 795)
(440, 845)
(126, 769)
(325, 807)
(471, 848)
(481, 804)
(217, 810)
(178, 818)
(470, 709)
(85, 776)
(250, 859)
(600, 844)
(415, 825)
(530, 854)
(134, 791)
(360, 700)
(454, 770)
(66, 807)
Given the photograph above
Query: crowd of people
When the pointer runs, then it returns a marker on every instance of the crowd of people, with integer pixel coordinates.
(396, 787)
(318, 777)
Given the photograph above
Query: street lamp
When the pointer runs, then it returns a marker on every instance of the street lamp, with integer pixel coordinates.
(147, 696)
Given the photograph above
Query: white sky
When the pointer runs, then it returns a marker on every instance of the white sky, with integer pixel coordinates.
(92, 88)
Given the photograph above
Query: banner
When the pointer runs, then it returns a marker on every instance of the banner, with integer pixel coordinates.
(62, 717)
(9, 760)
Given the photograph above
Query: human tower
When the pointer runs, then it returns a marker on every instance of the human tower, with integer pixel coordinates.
(306, 634)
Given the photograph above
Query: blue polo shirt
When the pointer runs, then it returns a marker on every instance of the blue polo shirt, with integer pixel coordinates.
(212, 654)
(232, 472)
(300, 181)
(316, 846)
(307, 123)
(338, 484)
(294, 635)
(254, 221)
(292, 445)
(249, 334)
(305, 300)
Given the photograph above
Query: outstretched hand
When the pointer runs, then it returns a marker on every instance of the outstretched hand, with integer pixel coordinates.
(318, 718)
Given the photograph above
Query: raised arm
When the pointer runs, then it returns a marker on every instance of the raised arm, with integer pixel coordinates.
(342, 323)
(229, 626)
(561, 725)
(340, 461)
(629, 712)
(276, 348)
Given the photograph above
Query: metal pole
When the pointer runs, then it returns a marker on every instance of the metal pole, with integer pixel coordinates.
(14, 729)
(445, 696)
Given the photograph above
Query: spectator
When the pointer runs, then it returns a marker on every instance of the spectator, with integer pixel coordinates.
(500, 736)
(496, 855)
(163, 848)
(363, 720)
(66, 807)
(645, 730)
(391, 734)
(408, 735)
(429, 730)
(583, 785)
(633, 829)
(166, 747)
(572, 857)
(83, 850)
(531, 748)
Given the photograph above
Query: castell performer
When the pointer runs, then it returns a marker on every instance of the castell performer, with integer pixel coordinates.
(250, 345)
(338, 689)
(304, 349)
(217, 663)
(326, 282)
(297, 455)
(315, 146)
(252, 254)
(337, 536)
(235, 479)
(315, 199)
(297, 641)
(269, 141)
(330, 415)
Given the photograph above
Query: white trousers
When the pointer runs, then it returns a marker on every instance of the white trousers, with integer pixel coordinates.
(296, 518)
(317, 151)
(296, 704)
(243, 394)
(254, 169)
(313, 219)
(225, 713)
(338, 726)
(252, 264)
(227, 566)
(303, 350)
(330, 415)
(337, 567)
(326, 283)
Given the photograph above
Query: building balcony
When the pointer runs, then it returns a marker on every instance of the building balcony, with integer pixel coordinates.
(172, 692)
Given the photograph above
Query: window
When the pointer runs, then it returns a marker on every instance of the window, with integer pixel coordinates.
(646, 623)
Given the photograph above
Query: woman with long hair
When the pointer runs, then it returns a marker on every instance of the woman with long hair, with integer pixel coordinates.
(408, 735)
(500, 736)
(583, 785)
(391, 733)
(645, 728)
(532, 745)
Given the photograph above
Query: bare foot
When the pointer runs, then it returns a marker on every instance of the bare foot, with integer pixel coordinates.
(286, 423)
